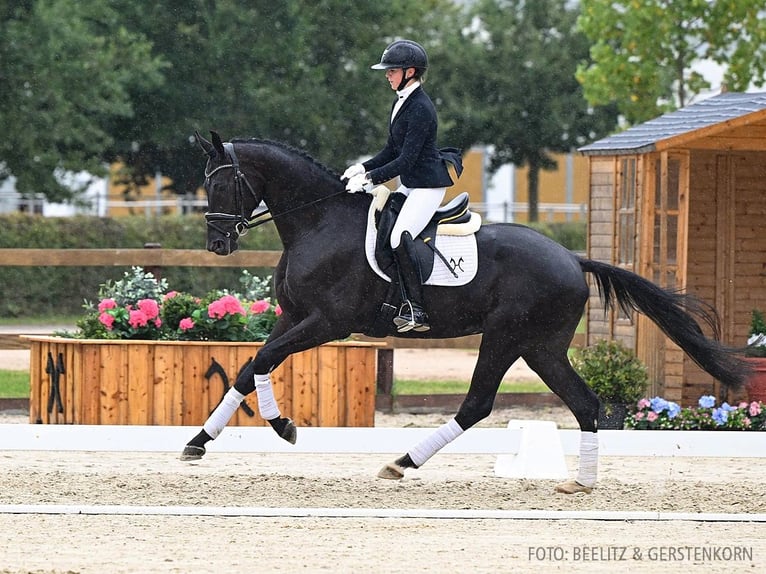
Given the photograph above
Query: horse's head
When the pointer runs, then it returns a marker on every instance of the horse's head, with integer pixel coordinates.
(231, 197)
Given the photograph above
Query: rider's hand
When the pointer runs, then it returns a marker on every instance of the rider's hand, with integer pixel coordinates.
(353, 170)
(359, 182)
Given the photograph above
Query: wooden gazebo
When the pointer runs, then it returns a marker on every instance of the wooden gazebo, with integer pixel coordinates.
(681, 200)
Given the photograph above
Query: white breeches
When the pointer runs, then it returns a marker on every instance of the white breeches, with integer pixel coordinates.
(417, 210)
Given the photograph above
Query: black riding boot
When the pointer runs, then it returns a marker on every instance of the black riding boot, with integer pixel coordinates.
(411, 314)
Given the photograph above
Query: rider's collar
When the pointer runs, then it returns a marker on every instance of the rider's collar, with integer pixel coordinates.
(403, 94)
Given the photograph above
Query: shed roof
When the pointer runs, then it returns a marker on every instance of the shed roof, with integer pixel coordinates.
(704, 118)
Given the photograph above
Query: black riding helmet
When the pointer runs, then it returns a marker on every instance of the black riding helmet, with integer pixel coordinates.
(403, 54)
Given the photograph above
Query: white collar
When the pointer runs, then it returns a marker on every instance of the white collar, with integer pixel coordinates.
(404, 94)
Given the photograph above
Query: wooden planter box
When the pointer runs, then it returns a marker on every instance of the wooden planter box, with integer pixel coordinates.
(81, 381)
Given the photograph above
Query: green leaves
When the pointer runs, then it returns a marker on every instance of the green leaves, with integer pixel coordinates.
(613, 371)
(66, 68)
(643, 52)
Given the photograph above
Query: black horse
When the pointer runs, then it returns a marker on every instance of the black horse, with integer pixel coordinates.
(527, 297)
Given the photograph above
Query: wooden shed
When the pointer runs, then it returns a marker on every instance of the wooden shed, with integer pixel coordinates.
(681, 200)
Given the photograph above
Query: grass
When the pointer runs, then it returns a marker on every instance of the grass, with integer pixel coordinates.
(62, 320)
(409, 387)
(14, 384)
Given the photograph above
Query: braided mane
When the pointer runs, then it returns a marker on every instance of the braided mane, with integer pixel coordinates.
(290, 149)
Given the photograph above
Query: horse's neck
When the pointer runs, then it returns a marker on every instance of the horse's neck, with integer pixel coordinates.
(321, 215)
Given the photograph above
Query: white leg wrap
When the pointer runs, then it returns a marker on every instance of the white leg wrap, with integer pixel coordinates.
(267, 404)
(223, 412)
(588, 459)
(444, 435)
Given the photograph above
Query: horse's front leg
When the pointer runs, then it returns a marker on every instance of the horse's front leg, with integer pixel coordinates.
(247, 382)
(284, 340)
(476, 406)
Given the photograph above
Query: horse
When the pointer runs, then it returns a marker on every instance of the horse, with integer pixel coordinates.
(526, 299)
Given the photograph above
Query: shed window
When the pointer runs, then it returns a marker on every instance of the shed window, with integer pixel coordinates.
(626, 213)
(667, 191)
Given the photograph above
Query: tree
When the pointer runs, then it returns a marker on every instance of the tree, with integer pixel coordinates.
(65, 68)
(644, 51)
(291, 70)
(513, 86)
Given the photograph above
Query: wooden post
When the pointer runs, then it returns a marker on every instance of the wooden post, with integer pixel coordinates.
(155, 270)
(384, 398)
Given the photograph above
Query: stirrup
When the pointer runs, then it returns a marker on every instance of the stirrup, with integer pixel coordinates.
(405, 321)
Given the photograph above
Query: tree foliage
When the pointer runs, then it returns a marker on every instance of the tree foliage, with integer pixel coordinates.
(644, 51)
(66, 67)
(128, 82)
(513, 85)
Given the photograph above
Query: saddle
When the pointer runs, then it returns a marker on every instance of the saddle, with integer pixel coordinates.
(455, 212)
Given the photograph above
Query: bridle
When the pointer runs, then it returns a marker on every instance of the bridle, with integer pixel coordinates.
(242, 221)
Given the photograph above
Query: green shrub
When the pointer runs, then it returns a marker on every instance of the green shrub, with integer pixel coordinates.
(613, 372)
(572, 235)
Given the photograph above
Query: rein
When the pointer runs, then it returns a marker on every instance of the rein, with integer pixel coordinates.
(242, 222)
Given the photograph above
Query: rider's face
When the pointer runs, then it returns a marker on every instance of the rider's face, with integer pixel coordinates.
(394, 76)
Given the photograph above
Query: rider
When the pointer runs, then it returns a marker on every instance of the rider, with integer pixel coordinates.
(412, 155)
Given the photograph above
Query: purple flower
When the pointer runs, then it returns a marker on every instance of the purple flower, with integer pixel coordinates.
(707, 401)
(720, 416)
(659, 404)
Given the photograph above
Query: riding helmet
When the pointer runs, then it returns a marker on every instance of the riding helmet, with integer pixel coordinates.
(403, 54)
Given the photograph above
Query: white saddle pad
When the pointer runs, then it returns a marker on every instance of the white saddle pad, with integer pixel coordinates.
(459, 250)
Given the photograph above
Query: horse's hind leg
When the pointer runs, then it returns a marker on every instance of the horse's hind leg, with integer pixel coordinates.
(495, 358)
(558, 374)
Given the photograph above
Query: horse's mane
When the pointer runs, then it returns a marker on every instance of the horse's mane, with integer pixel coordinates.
(290, 149)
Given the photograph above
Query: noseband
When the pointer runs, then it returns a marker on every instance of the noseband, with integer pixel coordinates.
(242, 221)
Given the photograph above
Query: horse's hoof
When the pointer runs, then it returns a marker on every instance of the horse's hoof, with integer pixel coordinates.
(290, 432)
(391, 471)
(192, 452)
(572, 487)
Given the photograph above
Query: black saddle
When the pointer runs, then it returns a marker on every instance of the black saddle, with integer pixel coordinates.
(455, 211)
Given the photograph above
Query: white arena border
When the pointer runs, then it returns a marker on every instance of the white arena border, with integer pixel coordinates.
(400, 513)
(311, 440)
(366, 440)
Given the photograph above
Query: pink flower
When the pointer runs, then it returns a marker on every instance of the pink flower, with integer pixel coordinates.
(158, 322)
(742, 405)
(149, 307)
(226, 304)
(186, 323)
(651, 417)
(755, 409)
(260, 306)
(640, 415)
(106, 304)
(169, 295)
(278, 310)
(137, 319)
(106, 320)
(643, 403)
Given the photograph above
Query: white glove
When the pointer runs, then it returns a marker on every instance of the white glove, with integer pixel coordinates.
(355, 169)
(359, 182)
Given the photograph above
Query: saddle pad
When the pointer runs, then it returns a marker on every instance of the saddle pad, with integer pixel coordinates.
(459, 250)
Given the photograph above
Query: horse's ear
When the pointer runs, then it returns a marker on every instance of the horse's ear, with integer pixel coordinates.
(217, 143)
(206, 146)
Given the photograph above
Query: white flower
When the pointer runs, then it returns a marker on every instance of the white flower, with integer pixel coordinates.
(757, 340)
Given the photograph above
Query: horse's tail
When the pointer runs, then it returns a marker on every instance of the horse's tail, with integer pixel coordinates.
(676, 314)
